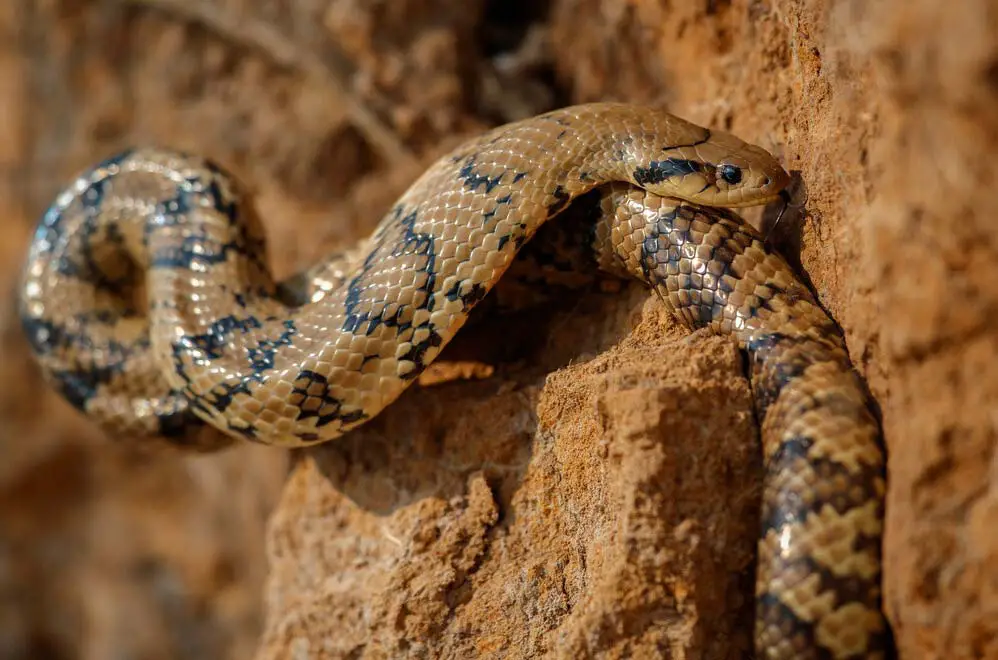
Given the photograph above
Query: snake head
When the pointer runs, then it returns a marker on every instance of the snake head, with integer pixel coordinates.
(720, 170)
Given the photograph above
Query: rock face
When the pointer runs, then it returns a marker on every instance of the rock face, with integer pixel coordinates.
(607, 508)
(593, 491)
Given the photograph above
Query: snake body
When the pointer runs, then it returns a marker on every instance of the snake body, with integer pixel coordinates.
(217, 345)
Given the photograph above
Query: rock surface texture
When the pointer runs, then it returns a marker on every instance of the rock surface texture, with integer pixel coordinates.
(593, 490)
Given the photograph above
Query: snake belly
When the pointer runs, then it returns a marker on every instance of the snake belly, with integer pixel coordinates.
(148, 303)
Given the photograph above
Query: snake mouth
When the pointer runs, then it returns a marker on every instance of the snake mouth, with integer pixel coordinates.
(757, 201)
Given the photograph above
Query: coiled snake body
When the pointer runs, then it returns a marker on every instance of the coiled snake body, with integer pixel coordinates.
(218, 341)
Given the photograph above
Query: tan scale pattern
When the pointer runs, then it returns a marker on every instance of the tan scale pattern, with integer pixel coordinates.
(818, 574)
(216, 340)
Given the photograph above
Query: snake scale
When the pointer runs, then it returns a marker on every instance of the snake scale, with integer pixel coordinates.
(148, 303)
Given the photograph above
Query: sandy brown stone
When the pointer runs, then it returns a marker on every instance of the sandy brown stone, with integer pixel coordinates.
(594, 494)
(583, 526)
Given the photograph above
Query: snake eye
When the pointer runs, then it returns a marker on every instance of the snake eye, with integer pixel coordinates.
(730, 173)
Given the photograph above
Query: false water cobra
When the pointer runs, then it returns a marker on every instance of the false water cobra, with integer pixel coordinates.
(148, 304)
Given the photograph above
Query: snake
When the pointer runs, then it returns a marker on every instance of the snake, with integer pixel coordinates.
(148, 303)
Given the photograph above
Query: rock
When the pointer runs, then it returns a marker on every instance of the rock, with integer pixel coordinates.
(608, 507)
(592, 490)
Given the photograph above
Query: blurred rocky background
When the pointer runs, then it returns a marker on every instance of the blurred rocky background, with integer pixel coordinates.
(595, 495)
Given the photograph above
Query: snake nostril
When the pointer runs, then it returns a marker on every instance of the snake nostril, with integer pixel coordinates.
(766, 181)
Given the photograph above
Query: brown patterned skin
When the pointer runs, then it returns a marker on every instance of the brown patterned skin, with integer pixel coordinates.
(818, 575)
(148, 303)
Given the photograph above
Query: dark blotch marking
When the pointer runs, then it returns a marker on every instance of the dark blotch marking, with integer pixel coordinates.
(660, 170)
(262, 357)
(412, 243)
(78, 385)
(222, 394)
(417, 354)
(313, 388)
(197, 246)
(50, 228)
(212, 345)
(249, 432)
(779, 619)
(561, 200)
(487, 216)
(770, 376)
(177, 423)
(776, 616)
(474, 180)
(89, 269)
(790, 508)
(82, 265)
(220, 203)
(650, 248)
(213, 342)
(113, 161)
(474, 295)
(792, 511)
(778, 360)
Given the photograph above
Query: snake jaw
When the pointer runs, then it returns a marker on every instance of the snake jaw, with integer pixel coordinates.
(758, 201)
